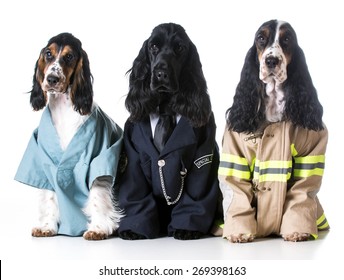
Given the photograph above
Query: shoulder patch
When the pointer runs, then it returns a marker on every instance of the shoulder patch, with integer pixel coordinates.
(203, 160)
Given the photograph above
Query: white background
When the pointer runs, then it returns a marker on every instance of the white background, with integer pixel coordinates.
(112, 33)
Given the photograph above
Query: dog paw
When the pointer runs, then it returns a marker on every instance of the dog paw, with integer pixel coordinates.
(296, 237)
(130, 235)
(182, 234)
(95, 235)
(240, 238)
(42, 232)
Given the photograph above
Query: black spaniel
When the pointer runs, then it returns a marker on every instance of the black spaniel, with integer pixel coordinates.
(274, 146)
(170, 184)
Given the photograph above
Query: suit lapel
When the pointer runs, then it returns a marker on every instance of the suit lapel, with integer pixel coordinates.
(182, 136)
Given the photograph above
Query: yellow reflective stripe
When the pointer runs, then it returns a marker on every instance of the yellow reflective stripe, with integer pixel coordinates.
(322, 222)
(309, 166)
(293, 150)
(275, 164)
(219, 223)
(310, 159)
(232, 165)
(308, 173)
(315, 236)
(233, 158)
(223, 171)
(274, 177)
(272, 170)
(254, 162)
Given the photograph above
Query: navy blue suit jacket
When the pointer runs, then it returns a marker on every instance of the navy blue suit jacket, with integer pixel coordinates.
(140, 190)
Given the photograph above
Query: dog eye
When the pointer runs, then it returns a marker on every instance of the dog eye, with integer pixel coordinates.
(179, 48)
(69, 57)
(261, 40)
(154, 47)
(48, 54)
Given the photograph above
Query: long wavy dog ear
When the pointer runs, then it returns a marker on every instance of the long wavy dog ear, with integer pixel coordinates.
(247, 110)
(302, 104)
(193, 101)
(140, 101)
(82, 86)
(38, 97)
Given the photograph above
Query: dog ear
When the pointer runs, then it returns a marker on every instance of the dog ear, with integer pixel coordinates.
(38, 97)
(193, 100)
(247, 110)
(140, 101)
(302, 104)
(81, 87)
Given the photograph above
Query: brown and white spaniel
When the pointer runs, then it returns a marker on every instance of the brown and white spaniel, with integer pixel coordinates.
(275, 83)
(274, 143)
(73, 155)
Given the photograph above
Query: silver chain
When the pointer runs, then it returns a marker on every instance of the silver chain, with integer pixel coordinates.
(161, 164)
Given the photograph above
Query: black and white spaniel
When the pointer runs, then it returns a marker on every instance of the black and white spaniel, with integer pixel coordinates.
(170, 184)
(72, 156)
(275, 83)
(274, 144)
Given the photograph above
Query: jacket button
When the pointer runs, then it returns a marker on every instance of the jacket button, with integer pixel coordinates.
(161, 163)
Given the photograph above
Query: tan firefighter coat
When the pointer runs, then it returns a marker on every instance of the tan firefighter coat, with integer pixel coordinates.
(270, 180)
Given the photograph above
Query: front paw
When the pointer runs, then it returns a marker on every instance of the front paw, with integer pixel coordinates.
(296, 237)
(43, 232)
(130, 235)
(183, 234)
(95, 235)
(240, 238)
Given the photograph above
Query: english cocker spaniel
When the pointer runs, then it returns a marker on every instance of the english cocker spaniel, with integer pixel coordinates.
(170, 184)
(72, 156)
(273, 154)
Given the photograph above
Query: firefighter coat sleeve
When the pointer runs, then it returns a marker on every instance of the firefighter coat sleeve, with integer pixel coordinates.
(93, 151)
(302, 209)
(235, 173)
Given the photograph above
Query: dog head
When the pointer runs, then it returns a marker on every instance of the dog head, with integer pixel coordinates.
(168, 66)
(168, 49)
(63, 68)
(275, 42)
(275, 83)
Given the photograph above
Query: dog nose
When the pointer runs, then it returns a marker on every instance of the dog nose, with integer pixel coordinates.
(162, 76)
(52, 80)
(271, 62)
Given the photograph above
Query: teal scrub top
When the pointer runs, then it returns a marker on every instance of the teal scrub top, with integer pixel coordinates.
(93, 151)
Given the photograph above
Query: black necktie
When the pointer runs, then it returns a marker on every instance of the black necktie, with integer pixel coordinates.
(164, 127)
